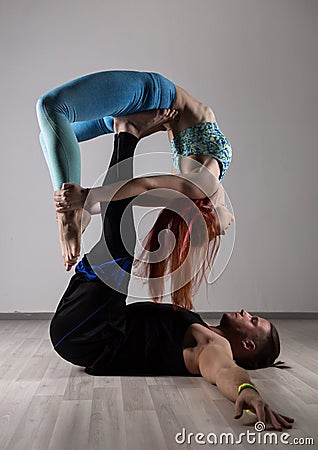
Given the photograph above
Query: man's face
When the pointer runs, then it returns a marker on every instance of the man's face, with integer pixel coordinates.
(244, 324)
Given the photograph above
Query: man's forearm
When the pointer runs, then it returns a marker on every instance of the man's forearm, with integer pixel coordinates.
(217, 366)
(228, 380)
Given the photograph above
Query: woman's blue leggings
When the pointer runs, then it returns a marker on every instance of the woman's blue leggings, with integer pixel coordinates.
(84, 108)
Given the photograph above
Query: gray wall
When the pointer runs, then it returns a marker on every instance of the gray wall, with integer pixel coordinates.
(253, 61)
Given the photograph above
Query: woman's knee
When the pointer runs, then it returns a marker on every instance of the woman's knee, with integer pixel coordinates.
(44, 104)
(49, 105)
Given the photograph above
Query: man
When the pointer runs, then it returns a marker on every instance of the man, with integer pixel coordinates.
(93, 327)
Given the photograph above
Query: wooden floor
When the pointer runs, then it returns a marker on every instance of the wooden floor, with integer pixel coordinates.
(46, 403)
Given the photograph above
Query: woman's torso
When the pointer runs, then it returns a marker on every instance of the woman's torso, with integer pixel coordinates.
(191, 112)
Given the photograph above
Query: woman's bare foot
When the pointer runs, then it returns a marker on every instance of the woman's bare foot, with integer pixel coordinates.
(70, 236)
(144, 123)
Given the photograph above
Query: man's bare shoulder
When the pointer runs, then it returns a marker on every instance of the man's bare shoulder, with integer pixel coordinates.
(198, 335)
(197, 338)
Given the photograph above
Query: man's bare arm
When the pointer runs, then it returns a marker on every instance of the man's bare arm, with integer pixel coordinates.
(216, 365)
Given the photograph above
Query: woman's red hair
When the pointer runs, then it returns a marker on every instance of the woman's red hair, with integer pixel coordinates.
(195, 249)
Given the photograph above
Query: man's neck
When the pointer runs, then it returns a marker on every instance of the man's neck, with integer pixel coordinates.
(216, 329)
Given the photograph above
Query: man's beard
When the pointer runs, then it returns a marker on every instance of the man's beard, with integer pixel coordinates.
(225, 321)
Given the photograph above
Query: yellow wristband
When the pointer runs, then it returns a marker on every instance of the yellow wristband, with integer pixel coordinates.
(245, 386)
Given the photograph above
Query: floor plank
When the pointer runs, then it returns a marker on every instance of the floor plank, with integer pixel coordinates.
(71, 429)
(37, 424)
(107, 427)
(136, 395)
(14, 405)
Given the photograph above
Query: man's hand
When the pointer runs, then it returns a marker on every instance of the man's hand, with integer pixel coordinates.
(71, 196)
(252, 400)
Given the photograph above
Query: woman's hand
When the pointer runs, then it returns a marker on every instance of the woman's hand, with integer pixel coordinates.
(71, 196)
(252, 400)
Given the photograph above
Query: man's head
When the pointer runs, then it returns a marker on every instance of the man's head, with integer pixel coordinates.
(254, 340)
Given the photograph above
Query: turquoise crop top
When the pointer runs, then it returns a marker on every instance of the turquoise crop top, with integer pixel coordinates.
(203, 139)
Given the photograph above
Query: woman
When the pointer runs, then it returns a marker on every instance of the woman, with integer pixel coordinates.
(194, 215)
(85, 108)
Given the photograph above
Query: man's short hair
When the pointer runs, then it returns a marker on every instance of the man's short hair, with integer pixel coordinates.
(268, 351)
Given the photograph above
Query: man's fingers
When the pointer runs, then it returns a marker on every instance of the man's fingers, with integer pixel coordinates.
(272, 419)
(289, 419)
(282, 420)
(260, 412)
(238, 410)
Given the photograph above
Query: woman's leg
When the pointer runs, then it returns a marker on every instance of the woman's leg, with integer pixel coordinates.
(89, 103)
(82, 109)
(139, 125)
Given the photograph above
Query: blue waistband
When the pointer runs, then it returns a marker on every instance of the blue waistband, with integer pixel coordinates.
(164, 93)
(114, 268)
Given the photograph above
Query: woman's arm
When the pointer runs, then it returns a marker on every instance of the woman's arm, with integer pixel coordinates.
(194, 185)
